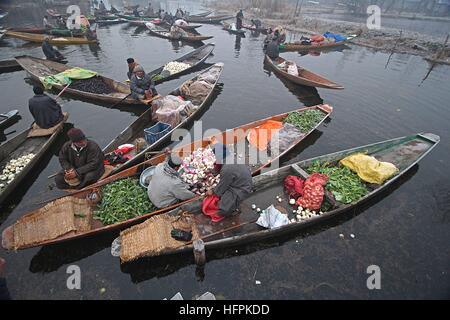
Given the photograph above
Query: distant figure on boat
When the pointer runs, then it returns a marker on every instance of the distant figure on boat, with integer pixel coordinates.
(150, 12)
(46, 24)
(131, 65)
(101, 7)
(235, 186)
(142, 86)
(179, 14)
(272, 49)
(45, 110)
(136, 12)
(50, 52)
(176, 32)
(166, 187)
(113, 10)
(239, 18)
(256, 23)
(81, 160)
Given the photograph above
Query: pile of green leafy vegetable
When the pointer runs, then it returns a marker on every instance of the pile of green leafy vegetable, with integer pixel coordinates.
(345, 185)
(122, 200)
(157, 77)
(305, 120)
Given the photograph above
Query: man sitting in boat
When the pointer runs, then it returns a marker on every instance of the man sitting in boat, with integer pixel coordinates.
(176, 32)
(141, 85)
(46, 111)
(82, 161)
(131, 65)
(166, 187)
(50, 52)
(272, 49)
(235, 184)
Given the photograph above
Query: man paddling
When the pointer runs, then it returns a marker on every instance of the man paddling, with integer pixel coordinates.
(166, 187)
(239, 18)
(82, 161)
(141, 85)
(46, 111)
(50, 52)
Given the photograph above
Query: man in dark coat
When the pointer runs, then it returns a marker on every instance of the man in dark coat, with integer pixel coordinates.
(235, 183)
(46, 111)
(273, 49)
(239, 18)
(141, 85)
(82, 161)
(50, 52)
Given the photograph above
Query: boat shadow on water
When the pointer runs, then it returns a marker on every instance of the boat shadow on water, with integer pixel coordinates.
(148, 268)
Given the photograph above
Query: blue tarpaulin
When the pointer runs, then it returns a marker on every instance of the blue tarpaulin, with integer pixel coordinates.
(336, 37)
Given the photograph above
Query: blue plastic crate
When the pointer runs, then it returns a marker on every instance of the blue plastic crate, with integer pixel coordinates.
(155, 132)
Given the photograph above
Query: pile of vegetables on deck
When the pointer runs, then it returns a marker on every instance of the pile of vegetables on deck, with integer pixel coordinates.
(197, 170)
(306, 120)
(122, 200)
(13, 168)
(344, 184)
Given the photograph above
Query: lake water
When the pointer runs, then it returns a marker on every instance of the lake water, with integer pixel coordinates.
(405, 230)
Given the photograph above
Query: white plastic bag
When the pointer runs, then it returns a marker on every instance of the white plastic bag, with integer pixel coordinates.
(292, 69)
(272, 218)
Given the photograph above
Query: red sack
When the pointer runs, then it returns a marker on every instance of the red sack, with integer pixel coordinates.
(317, 38)
(210, 207)
(124, 150)
(293, 186)
(313, 191)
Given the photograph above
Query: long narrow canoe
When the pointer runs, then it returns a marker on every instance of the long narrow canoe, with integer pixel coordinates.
(143, 18)
(202, 14)
(211, 20)
(41, 68)
(9, 66)
(304, 78)
(19, 146)
(59, 41)
(94, 227)
(8, 118)
(143, 22)
(403, 152)
(136, 129)
(314, 47)
(227, 27)
(108, 22)
(54, 32)
(164, 33)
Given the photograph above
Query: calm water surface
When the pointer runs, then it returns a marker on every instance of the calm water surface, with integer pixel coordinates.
(405, 230)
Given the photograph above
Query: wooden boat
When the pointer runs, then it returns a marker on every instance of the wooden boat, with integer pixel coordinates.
(193, 58)
(189, 28)
(211, 20)
(403, 152)
(136, 129)
(133, 18)
(54, 31)
(202, 14)
(254, 29)
(9, 66)
(95, 227)
(59, 41)
(164, 33)
(22, 145)
(141, 23)
(304, 78)
(41, 68)
(108, 22)
(227, 27)
(314, 47)
(6, 119)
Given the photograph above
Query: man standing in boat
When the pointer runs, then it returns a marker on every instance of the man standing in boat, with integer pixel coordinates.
(141, 85)
(50, 52)
(166, 187)
(239, 18)
(82, 161)
(46, 111)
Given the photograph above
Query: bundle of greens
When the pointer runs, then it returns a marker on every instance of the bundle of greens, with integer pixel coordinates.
(305, 120)
(122, 200)
(157, 77)
(345, 185)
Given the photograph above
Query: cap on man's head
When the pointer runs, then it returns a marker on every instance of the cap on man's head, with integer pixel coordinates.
(221, 152)
(38, 90)
(130, 60)
(174, 161)
(76, 135)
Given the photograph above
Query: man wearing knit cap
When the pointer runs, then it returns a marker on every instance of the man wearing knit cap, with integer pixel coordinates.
(82, 161)
(131, 65)
(142, 86)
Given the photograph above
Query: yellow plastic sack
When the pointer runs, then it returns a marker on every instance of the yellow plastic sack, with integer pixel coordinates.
(369, 169)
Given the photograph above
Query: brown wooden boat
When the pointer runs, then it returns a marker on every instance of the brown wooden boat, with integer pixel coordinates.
(314, 47)
(58, 41)
(164, 33)
(211, 19)
(304, 78)
(83, 225)
(9, 66)
(403, 152)
(38, 68)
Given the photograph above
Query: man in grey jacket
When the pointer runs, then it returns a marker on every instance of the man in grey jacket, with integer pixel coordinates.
(166, 187)
(142, 86)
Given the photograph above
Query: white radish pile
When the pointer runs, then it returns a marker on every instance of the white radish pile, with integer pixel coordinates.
(175, 67)
(13, 168)
(197, 171)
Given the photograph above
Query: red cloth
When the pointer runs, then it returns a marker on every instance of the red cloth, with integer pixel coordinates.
(124, 150)
(293, 186)
(210, 207)
(313, 191)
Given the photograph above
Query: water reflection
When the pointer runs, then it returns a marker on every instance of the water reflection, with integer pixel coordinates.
(237, 46)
